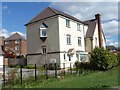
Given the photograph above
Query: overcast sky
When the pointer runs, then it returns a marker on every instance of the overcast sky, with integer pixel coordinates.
(15, 15)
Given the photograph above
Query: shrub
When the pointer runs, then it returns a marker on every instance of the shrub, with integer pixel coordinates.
(102, 59)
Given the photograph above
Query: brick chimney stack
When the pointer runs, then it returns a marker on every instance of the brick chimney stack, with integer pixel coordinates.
(98, 18)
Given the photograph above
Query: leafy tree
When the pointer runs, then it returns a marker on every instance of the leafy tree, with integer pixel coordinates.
(103, 59)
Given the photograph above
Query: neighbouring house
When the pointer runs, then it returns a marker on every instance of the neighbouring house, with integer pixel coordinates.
(15, 49)
(54, 36)
(94, 34)
(1, 52)
(113, 49)
(17, 44)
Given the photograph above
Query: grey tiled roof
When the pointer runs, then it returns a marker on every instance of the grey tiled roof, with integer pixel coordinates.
(15, 36)
(91, 27)
(49, 12)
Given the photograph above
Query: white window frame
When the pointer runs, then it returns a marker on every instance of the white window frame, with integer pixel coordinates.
(78, 26)
(41, 32)
(17, 41)
(44, 50)
(68, 23)
(69, 57)
(95, 41)
(68, 38)
(79, 41)
(64, 56)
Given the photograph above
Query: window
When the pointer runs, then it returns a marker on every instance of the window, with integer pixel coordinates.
(79, 41)
(78, 26)
(95, 41)
(6, 42)
(67, 23)
(17, 41)
(43, 33)
(84, 57)
(77, 55)
(64, 56)
(68, 39)
(69, 57)
(17, 48)
(43, 50)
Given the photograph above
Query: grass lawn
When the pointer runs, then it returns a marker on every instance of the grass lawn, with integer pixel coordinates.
(97, 79)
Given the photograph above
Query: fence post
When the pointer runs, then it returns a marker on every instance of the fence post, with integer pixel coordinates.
(70, 69)
(55, 70)
(46, 71)
(64, 68)
(21, 73)
(35, 73)
(3, 75)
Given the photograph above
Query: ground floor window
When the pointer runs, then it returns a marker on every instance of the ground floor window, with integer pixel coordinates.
(69, 57)
(84, 57)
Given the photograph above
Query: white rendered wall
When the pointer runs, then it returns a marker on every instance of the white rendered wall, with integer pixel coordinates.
(95, 36)
(63, 31)
(1, 61)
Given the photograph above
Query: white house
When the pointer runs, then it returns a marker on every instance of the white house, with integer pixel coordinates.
(1, 52)
(56, 36)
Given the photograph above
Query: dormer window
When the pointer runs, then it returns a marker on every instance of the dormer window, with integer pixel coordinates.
(43, 30)
(43, 33)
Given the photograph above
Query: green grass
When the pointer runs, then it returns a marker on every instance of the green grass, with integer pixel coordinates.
(97, 79)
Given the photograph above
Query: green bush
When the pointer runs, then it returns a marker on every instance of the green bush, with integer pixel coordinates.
(103, 59)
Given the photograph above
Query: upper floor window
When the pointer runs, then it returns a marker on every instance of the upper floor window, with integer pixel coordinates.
(95, 41)
(43, 30)
(17, 48)
(79, 41)
(17, 41)
(6, 42)
(43, 33)
(67, 23)
(68, 39)
(78, 26)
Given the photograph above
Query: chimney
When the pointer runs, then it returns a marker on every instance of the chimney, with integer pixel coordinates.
(98, 18)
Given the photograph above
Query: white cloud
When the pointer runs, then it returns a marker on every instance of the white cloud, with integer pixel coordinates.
(22, 34)
(5, 8)
(87, 10)
(6, 33)
(110, 28)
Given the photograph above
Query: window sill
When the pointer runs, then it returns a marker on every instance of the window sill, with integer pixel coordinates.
(68, 27)
(78, 30)
(68, 44)
(80, 45)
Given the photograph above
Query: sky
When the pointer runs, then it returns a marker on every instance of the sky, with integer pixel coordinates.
(16, 14)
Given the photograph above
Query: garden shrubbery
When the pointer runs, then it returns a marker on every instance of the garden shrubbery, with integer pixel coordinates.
(100, 59)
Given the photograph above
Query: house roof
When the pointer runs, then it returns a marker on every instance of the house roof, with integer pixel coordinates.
(111, 48)
(15, 36)
(91, 27)
(50, 12)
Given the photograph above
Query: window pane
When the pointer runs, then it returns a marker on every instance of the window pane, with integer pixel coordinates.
(79, 41)
(68, 39)
(43, 33)
(67, 23)
(78, 26)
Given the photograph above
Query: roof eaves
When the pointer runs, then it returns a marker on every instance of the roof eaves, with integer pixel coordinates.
(41, 19)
